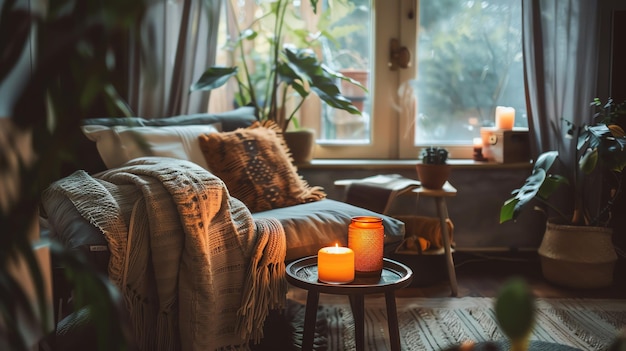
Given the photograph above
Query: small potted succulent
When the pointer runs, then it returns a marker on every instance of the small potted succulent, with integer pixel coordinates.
(433, 170)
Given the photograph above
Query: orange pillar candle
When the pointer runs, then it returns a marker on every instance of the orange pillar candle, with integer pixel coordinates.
(335, 265)
(366, 237)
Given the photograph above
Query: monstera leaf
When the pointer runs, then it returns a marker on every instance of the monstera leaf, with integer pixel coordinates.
(540, 184)
(214, 78)
(320, 78)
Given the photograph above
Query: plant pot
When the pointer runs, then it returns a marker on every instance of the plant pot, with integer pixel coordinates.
(433, 176)
(349, 90)
(578, 256)
(301, 144)
(355, 94)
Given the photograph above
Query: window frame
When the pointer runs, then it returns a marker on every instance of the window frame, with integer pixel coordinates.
(408, 37)
(384, 130)
(391, 137)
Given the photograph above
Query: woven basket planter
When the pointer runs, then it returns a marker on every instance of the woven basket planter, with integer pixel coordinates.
(578, 256)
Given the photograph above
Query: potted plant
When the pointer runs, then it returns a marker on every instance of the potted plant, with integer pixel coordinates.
(433, 170)
(291, 69)
(577, 249)
(62, 82)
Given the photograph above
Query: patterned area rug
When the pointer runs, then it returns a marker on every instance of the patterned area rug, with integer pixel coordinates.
(442, 323)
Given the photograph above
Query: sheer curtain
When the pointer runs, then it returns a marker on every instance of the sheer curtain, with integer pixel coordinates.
(560, 44)
(181, 38)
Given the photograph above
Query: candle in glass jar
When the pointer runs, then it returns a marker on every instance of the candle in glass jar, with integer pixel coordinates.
(335, 265)
(505, 117)
(366, 237)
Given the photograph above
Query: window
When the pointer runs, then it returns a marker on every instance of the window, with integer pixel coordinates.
(469, 60)
(466, 60)
(346, 48)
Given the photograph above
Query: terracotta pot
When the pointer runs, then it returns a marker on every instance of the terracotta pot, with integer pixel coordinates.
(350, 90)
(355, 94)
(578, 256)
(433, 176)
(301, 144)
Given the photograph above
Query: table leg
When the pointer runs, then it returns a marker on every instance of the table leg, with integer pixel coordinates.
(442, 211)
(392, 321)
(357, 303)
(310, 317)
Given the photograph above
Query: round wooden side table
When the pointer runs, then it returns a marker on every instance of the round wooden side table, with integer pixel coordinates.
(302, 273)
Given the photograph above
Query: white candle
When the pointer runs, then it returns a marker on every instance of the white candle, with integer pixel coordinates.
(335, 265)
(505, 117)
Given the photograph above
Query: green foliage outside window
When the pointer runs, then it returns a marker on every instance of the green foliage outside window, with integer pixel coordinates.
(467, 55)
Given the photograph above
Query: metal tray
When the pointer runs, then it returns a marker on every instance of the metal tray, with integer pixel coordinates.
(303, 273)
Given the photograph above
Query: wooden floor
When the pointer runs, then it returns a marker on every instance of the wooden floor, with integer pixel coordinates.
(482, 274)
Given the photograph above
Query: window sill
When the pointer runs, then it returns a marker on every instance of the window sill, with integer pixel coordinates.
(404, 164)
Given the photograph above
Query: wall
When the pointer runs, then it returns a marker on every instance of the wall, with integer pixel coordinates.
(612, 83)
(474, 211)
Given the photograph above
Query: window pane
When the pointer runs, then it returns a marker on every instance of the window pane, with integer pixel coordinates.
(346, 48)
(340, 34)
(469, 60)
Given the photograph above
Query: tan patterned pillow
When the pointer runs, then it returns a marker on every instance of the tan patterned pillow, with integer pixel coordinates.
(256, 166)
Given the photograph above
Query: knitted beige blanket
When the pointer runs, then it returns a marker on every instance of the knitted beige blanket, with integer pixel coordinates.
(196, 270)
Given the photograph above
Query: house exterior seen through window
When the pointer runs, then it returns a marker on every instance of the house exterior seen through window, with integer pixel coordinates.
(466, 59)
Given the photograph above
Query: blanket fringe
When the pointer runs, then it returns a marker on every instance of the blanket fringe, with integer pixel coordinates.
(264, 271)
(162, 335)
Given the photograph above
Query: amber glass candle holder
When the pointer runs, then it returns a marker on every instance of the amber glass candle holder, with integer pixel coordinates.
(366, 237)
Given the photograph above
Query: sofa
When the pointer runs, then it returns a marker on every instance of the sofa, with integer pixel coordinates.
(242, 160)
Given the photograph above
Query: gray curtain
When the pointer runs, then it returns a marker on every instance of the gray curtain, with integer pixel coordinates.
(560, 44)
(180, 36)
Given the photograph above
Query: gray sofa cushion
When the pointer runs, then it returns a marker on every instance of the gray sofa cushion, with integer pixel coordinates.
(68, 227)
(311, 226)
